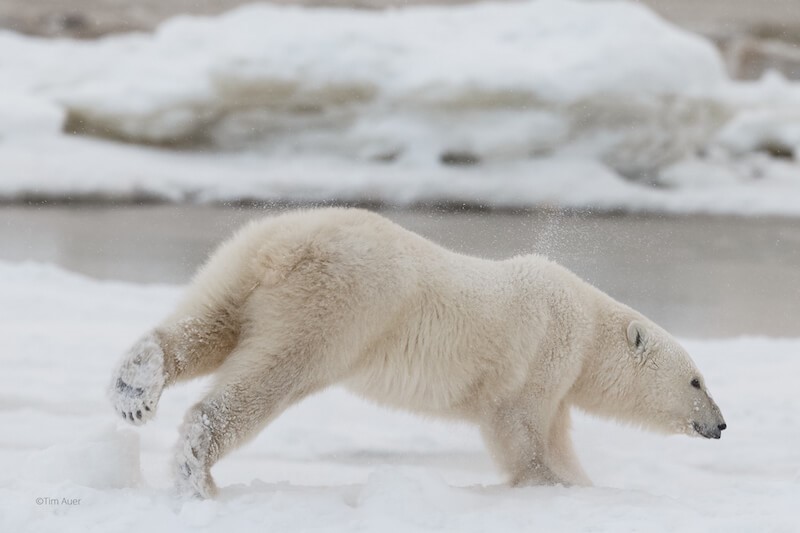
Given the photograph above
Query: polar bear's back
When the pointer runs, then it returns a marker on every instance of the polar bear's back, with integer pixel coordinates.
(352, 239)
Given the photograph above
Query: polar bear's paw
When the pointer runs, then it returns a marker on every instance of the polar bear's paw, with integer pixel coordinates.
(192, 471)
(137, 384)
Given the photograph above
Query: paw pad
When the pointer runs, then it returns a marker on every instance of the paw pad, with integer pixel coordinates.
(139, 381)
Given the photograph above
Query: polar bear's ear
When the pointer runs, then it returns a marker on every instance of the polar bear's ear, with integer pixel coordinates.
(637, 337)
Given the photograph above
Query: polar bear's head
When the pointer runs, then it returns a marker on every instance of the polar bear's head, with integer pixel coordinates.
(672, 391)
(643, 376)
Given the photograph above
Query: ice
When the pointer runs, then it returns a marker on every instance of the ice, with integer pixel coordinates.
(337, 463)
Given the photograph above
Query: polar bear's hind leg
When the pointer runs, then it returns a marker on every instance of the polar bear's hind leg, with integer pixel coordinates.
(178, 350)
(253, 389)
(139, 381)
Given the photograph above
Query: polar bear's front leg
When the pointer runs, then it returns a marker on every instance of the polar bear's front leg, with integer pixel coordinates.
(560, 450)
(517, 437)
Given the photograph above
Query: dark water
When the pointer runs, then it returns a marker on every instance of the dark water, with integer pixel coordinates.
(697, 276)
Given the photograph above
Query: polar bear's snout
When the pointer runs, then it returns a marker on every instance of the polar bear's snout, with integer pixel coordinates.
(709, 432)
(713, 425)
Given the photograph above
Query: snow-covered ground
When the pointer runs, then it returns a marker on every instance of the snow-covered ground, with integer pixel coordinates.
(550, 102)
(336, 463)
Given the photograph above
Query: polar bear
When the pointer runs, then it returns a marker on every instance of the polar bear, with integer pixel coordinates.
(297, 302)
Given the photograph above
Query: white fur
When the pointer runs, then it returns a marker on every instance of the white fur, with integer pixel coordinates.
(295, 303)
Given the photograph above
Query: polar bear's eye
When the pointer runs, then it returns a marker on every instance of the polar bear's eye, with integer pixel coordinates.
(696, 383)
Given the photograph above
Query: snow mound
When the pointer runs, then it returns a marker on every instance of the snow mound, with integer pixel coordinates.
(107, 459)
(473, 83)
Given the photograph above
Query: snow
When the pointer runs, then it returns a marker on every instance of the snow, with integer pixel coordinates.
(338, 463)
(108, 459)
(759, 129)
(560, 103)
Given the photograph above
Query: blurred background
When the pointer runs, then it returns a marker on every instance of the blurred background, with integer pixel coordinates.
(652, 147)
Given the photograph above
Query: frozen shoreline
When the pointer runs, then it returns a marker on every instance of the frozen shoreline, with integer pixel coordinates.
(578, 105)
(81, 169)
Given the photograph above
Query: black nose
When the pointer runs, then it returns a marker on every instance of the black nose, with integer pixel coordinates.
(722, 426)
